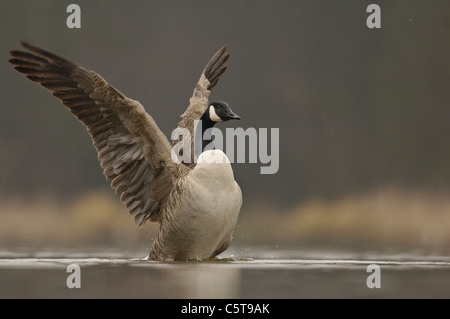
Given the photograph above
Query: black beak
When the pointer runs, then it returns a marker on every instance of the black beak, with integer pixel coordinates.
(233, 116)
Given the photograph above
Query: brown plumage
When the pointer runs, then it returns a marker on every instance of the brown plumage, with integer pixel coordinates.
(133, 153)
(199, 100)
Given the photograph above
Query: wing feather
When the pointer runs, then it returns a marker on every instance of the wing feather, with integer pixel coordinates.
(198, 103)
(133, 153)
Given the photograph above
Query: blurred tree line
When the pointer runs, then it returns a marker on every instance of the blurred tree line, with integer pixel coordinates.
(357, 108)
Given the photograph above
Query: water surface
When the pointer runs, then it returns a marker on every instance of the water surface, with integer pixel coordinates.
(246, 273)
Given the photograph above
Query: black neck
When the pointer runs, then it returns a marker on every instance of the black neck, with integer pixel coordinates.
(205, 123)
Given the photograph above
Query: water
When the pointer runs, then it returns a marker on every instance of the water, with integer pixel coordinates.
(251, 273)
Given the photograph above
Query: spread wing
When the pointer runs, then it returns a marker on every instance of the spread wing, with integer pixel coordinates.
(133, 153)
(198, 103)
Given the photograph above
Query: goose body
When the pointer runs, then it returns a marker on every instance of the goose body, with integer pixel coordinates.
(199, 222)
(196, 204)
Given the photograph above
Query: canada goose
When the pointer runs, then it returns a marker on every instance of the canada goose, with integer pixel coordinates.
(197, 205)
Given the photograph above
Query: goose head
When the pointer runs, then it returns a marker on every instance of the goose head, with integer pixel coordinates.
(219, 112)
(215, 113)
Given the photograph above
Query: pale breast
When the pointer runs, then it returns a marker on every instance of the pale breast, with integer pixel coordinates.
(215, 195)
(215, 200)
(201, 219)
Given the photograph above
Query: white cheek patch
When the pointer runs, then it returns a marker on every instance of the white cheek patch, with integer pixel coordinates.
(213, 115)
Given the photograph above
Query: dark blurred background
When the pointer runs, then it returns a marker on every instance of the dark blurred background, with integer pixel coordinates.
(363, 113)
